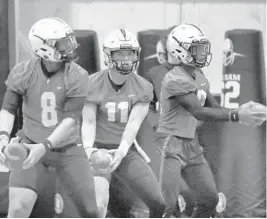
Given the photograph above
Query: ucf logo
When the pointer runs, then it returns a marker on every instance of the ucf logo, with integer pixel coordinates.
(228, 53)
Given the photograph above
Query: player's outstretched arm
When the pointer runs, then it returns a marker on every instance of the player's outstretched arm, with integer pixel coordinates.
(88, 128)
(243, 115)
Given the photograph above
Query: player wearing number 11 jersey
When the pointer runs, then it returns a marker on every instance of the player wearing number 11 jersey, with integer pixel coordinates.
(54, 89)
(117, 103)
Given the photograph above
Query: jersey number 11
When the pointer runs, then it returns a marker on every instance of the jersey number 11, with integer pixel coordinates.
(113, 107)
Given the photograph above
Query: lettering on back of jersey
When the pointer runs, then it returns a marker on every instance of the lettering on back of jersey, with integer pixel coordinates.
(231, 90)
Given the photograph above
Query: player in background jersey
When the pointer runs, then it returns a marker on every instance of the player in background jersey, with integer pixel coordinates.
(185, 99)
(117, 103)
(155, 77)
(54, 90)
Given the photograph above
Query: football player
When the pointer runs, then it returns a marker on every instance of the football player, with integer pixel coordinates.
(155, 77)
(120, 196)
(54, 89)
(185, 99)
(117, 103)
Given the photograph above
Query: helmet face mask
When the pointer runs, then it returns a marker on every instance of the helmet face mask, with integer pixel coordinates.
(122, 51)
(67, 47)
(200, 53)
(53, 40)
(67, 44)
(189, 45)
(124, 60)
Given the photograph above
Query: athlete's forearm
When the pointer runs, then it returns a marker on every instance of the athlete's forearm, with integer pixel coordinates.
(6, 121)
(88, 134)
(129, 136)
(61, 132)
(136, 119)
(191, 103)
(212, 114)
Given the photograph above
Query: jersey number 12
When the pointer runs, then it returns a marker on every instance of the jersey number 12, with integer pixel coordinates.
(228, 95)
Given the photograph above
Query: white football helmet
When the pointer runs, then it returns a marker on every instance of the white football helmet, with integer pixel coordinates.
(188, 44)
(118, 40)
(53, 40)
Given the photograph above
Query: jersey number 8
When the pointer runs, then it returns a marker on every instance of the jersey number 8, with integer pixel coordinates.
(49, 113)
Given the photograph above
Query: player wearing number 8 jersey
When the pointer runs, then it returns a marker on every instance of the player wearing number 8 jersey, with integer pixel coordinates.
(185, 98)
(54, 89)
(41, 117)
(117, 103)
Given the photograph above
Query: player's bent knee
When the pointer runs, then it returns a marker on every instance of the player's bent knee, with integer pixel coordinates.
(19, 209)
(102, 194)
(101, 186)
(21, 202)
(102, 211)
(102, 204)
